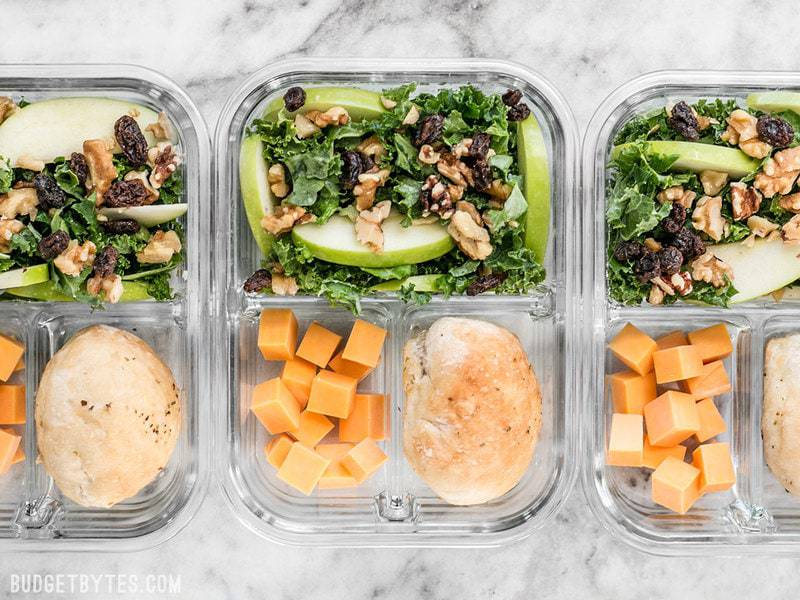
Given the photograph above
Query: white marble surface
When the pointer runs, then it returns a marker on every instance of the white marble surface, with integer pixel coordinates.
(586, 49)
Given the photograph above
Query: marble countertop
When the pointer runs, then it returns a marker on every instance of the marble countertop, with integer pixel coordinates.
(586, 48)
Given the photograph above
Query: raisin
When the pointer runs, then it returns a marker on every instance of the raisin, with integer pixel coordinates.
(121, 226)
(294, 98)
(48, 192)
(131, 140)
(647, 266)
(126, 193)
(425, 199)
(258, 281)
(671, 260)
(77, 164)
(352, 166)
(429, 130)
(673, 223)
(484, 283)
(54, 244)
(628, 251)
(689, 244)
(774, 131)
(519, 112)
(511, 97)
(106, 261)
(480, 146)
(684, 121)
(482, 175)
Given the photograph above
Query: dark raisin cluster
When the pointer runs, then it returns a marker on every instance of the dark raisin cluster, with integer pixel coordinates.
(484, 283)
(131, 140)
(676, 219)
(294, 98)
(54, 244)
(429, 130)
(258, 281)
(689, 244)
(354, 164)
(774, 131)
(126, 193)
(683, 120)
(48, 192)
(106, 261)
(120, 226)
(77, 164)
(517, 110)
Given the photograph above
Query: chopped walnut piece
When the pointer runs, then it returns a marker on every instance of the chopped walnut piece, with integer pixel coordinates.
(471, 238)
(8, 227)
(304, 127)
(283, 285)
(387, 103)
(681, 282)
(161, 247)
(111, 286)
(452, 169)
(779, 173)
(164, 161)
(276, 178)
(7, 108)
(470, 209)
(368, 184)
(20, 201)
(755, 148)
(713, 181)
(677, 194)
(707, 217)
(412, 116)
(791, 203)
(428, 155)
(653, 245)
(461, 149)
(499, 190)
(791, 231)
(761, 227)
(75, 258)
(372, 147)
(745, 201)
(285, 218)
(368, 225)
(28, 162)
(152, 193)
(101, 166)
(656, 295)
(336, 115)
(742, 131)
(161, 129)
(712, 270)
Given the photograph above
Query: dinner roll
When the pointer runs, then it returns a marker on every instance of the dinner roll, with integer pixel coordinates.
(473, 409)
(107, 416)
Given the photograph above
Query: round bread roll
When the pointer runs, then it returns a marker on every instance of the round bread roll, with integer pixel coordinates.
(780, 416)
(473, 409)
(107, 416)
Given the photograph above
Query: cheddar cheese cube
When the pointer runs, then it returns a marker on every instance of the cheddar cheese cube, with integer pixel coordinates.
(313, 428)
(20, 365)
(676, 485)
(634, 348)
(713, 343)
(9, 444)
(711, 422)
(364, 459)
(332, 394)
(275, 406)
(367, 419)
(677, 363)
(336, 476)
(297, 375)
(318, 345)
(671, 418)
(716, 467)
(346, 367)
(19, 455)
(653, 456)
(11, 352)
(277, 333)
(302, 468)
(364, 344)
(277, 448)
(672, 339)
(625, 445)
(12, 404)
(631, 391)
(712, 381)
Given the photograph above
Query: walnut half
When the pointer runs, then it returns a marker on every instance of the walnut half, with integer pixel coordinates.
(707, 217)
(75, 258)
(161, 248)
(712, 270)
(745, 201)
(8, 227)
(368, 225)
(472, 239)
(285, 218)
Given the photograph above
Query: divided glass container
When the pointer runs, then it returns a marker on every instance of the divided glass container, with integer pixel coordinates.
(394, 507)
(757, 514)
(33, 513)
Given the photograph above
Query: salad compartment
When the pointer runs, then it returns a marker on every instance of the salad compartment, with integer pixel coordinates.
(34, 514)
(394, 507)
(757, 515)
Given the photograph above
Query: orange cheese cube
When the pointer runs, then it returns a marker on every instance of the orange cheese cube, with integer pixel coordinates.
(277, 448)
(9, 444)
(713, 343)
(634, 348)
(367, 420)
(332, 394)
(653, 456)
(625, 445)
(712, 381)
(297, 375)
(336, 476)
(20, 365)
(631, 391)
(716, 467)
(364, 344)
(277, 333)
(671, 418)
(12, 404)
(313, 428)
(318, 345)
(364, 459)
(711, 422)
(672, 339)
(677, 363)
(11, 351)
(346, 367)
(19, 455)
(302, 468)
(676, 485)
(275, 406)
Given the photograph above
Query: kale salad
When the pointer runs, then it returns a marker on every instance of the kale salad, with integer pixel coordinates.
(702, 203)
(351, 192)
(90, 192)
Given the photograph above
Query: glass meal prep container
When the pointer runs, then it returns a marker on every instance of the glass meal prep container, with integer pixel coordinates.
(757, 515)
(394, 507)
(33, 513)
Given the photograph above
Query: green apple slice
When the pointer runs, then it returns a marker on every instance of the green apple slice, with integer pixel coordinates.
(762, 269)
(360, 104)
(256, 195)
(51, 128)
(421, 283)
(47, 292)
(696, 157)
(776, 101)
(532, 154)
(24, 277)
(336, 242)
(147, 216)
